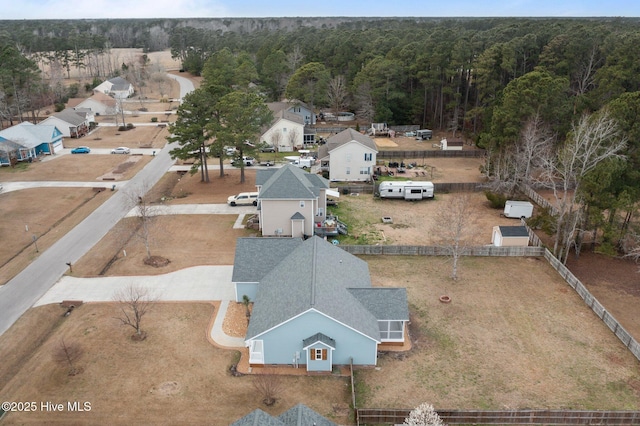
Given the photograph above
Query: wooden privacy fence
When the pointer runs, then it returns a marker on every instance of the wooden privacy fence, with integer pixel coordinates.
(595, 305)
(442, 250)
(400, 155)
(522, 417)
(538, 199)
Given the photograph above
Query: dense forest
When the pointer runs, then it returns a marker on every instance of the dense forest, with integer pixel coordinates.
(526, 90)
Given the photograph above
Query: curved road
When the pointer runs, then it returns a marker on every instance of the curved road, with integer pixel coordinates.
(19, 294)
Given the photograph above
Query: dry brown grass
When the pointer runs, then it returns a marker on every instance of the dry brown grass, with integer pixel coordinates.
(175, 376)
(49, 214)
(514, 336)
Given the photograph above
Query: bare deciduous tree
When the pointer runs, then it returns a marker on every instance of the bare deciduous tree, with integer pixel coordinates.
(423, 415)
(454, 227)
(134, 302)
(364, 100)
(67, 354)
(594, 138)
(293, 137)
(145, 214)
(268, 385)
(294, 58)
(337, 93)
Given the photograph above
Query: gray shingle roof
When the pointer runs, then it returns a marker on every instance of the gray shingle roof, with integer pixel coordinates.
(514, 231)
(258, 418)
(347, 136)
(384, 303)
(315, 275)
(297, 216)
(292, 183)
(70, 116)
(319, 337)
(301, 415)
(255, 257)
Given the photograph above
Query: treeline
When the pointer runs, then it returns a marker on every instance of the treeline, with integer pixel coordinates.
(538, 94)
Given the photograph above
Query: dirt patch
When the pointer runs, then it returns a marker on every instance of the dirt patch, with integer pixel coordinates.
(235, 322)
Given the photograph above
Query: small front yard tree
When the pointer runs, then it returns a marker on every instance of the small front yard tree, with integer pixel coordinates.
(67, 353)
(134, 302)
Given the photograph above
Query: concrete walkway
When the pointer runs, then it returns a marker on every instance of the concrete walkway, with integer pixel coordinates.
(199, 283)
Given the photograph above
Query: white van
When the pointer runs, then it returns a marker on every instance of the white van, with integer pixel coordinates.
(243, 199)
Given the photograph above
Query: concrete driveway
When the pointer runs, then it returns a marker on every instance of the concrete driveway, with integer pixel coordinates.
(200, 283)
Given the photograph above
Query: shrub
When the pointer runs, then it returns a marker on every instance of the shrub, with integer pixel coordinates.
(497, 201)
(129, 126)
(59, 107)
(122, 128)
(154, 119)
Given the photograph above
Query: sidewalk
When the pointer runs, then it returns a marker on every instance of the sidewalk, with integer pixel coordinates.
(200, 283)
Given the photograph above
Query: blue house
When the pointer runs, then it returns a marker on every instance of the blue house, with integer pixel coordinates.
(26, 141)
(314, 306)
(300, 415)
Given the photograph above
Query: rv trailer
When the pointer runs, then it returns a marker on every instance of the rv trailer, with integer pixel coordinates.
(409, 190)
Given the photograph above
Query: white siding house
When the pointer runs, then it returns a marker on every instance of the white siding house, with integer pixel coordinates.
(98, 104)
(285, 133)
(348, 156)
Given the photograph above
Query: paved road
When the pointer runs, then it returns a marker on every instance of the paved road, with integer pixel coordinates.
(32, 283)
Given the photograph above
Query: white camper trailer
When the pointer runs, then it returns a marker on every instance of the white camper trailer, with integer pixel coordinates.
(408, 190)
(518, 209)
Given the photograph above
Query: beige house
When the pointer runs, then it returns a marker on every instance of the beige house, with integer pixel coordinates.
(510, 236)
(291, 202)
(348, 156)
(98, 104)
(285, 133)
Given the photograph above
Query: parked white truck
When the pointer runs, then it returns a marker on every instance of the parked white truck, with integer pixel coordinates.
(409, 190)
(301, 161)
(518, 209)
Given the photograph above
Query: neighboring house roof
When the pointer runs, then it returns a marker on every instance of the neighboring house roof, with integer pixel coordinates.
(384, 303)
(291, 183)
(28, 135)
(514, 231)
(299, 415)
(255, 257)
(119, 84)
(315, 276)
(103, 99)
(346, 136)
(70, 116)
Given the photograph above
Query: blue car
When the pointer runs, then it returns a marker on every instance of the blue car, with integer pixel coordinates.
(81, 150)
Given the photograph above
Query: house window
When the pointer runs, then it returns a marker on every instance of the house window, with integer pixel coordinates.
(348, 170)
(364, 170)
(284, 130)
(348, 157)
(301, 203)
(368, 156)
(319, 355)
(391, 330)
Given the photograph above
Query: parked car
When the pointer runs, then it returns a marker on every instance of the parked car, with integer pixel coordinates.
(243, 199)
(121, 150)
(247, 161)
(81, 150)
(268, 148)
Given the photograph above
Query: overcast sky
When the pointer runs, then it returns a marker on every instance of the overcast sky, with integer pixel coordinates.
(96, 9)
